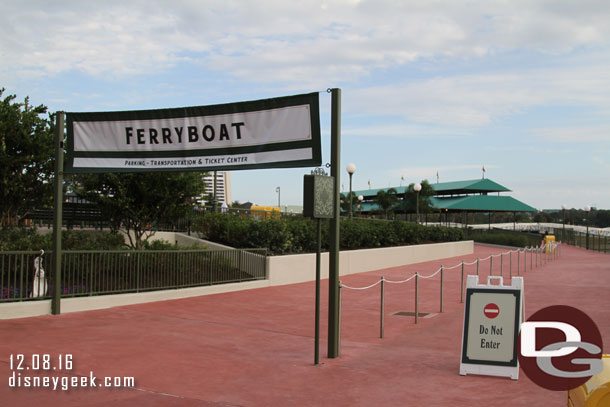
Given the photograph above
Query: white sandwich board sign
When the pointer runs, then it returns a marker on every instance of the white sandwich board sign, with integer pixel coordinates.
(492, 316)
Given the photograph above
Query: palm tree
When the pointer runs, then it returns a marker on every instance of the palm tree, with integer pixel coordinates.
(387, 200)
(345, 201)
(425, 206)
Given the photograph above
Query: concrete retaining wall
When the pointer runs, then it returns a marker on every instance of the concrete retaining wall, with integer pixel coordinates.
(281, 270)
(301, 267)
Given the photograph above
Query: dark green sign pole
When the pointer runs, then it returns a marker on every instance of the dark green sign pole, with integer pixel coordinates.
(57, 216)
(316, 359)
(333, 264)
(318, 203)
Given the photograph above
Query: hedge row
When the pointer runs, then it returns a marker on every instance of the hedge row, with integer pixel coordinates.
(294, 235)
(16, 239)
(504, 239)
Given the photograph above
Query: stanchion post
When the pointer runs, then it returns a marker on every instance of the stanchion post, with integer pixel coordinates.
(502, 264)
(442, 272)
(416, 296)
(462, 284)
(477, 266)
(381, 321)
(491, 265)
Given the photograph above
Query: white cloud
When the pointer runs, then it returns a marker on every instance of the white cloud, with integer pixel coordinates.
(405, 131)
(285, 41)
(574, 134)
(479, 99)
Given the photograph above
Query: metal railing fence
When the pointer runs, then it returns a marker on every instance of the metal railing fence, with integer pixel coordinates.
(86, 273)
(591, 241)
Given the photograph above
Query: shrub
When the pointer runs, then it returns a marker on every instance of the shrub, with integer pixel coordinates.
(503, 239)
(298, 235)
(27, 239)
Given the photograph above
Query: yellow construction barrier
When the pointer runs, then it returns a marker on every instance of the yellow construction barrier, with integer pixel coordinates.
(549, 243)
(595, 392)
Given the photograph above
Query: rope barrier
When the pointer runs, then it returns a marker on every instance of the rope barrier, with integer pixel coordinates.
(431, 275)
(551, 246)
(361, 288)
(401, 281)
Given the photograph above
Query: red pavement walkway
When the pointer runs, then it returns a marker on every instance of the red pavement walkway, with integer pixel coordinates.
(255, 348)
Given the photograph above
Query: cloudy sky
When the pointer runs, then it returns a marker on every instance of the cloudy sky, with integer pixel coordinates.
(520, 87)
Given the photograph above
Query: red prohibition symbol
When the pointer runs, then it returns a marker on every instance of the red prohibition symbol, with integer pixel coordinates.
(491, 310)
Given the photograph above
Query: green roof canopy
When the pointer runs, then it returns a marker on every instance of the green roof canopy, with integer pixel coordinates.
(481, 203)
(472, 195)
(468, 187)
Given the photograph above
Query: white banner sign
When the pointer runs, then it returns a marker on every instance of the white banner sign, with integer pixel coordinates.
(280, 132)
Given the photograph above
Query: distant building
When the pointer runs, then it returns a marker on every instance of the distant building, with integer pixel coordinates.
(223, 186)
(452, 198)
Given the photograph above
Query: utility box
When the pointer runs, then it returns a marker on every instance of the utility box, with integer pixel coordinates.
(318, 196)
(595, 392)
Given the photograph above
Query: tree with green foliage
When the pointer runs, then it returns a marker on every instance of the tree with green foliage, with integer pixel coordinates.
(387, 200)
(425, 205)
(134, 203)
(26, 158)
(345, 202)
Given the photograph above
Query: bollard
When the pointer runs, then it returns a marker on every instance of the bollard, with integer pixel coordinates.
(477, 266)
(442, 288)
(416, 296)
(381, 324)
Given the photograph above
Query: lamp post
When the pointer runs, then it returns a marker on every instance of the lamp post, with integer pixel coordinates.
(563, 231)
(417, 188)
(360, 199)
(351, 169)
(587, 209)
(278, 198)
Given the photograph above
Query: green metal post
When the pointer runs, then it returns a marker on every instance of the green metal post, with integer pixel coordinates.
(333, 265)
(442, 284)
(462, 282)
(502, 264)
(382, 310)
(58, 186)
(318, 267)
(416, 296)
(491, 265)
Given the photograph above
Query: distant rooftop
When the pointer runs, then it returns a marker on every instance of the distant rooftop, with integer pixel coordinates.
(468, 187)
(469, 195)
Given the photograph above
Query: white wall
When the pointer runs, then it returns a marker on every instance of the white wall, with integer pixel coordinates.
(301, 267)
